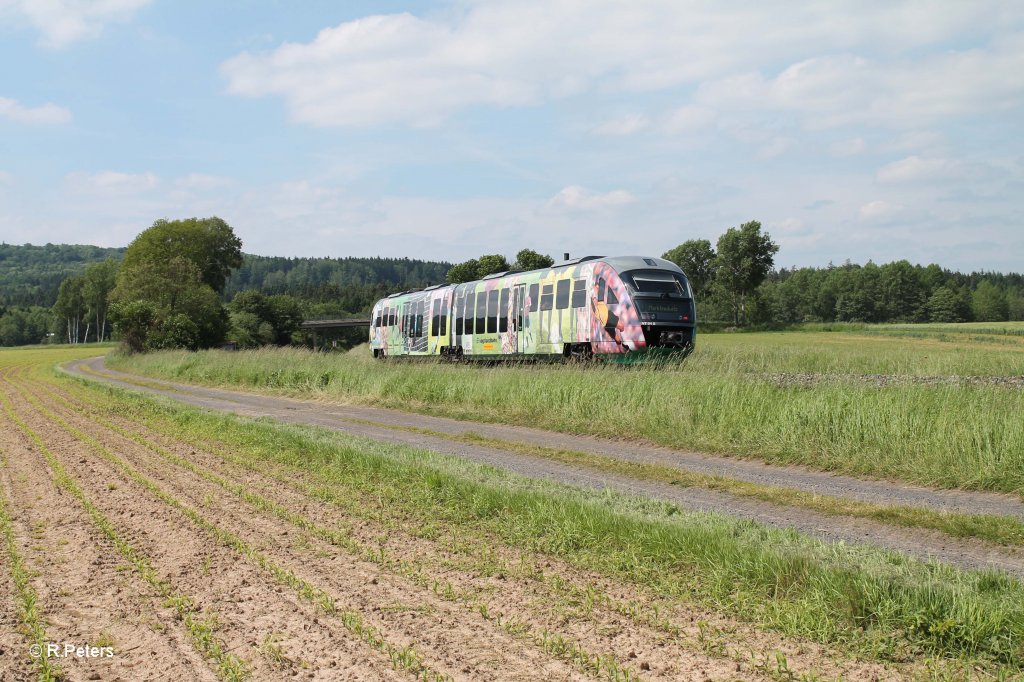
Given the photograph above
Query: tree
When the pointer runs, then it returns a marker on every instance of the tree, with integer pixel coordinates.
(901, 292)
(697, 259)
(100, 279)
(70, 307)
(745, 257)
(491, 264)
(177, 331)
(464, 272)
(209, 243)
(528, 259)
(1015, 304)
(948, 305)
(134, 321)
(989, 303)
(177, 276)
(286, 315)
(259, 320)
(478, 268)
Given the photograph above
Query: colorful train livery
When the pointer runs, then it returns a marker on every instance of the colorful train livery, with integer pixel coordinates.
(624, 308)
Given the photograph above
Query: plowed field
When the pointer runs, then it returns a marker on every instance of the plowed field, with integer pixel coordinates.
(166, 551)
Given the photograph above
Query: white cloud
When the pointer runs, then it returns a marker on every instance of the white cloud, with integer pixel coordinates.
(577, 198)
(850, 147)
(838, 90)
(510, 53)
(688, 119)
(879, 210)
(63, 22)
(776, 146)
(915, 169)
(201, 181)
(624, 125)
(111, 183)
(6, 178)
(47, 114)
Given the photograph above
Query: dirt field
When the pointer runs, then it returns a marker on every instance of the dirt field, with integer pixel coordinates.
(192, 563)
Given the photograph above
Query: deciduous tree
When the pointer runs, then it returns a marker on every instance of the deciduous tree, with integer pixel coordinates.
(745, 256)
(528, 259)
(697, 259)
(100, 279)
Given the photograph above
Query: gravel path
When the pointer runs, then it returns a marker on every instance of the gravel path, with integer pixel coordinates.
(921, 543)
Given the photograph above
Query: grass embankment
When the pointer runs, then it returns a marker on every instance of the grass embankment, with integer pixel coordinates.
(872, 603)
(742, 394)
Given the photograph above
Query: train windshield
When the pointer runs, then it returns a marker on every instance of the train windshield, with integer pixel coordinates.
(657, 282)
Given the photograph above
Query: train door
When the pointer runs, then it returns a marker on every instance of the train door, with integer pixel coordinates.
(519, 316)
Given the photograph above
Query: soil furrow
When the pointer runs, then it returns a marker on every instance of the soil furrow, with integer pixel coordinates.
(672, 643)
(82, 586)
(279, 634)
(411, 613)
(925, 544)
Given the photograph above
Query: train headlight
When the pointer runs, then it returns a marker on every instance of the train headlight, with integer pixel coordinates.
(671, 337)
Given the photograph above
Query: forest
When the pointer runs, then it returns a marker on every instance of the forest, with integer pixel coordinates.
(59, 293)
(31, 278)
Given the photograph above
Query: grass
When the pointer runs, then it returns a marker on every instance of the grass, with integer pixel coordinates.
(727, 398)
(877, 604)
(1003, 530)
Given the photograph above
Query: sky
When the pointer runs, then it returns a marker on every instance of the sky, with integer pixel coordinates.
(857, 130)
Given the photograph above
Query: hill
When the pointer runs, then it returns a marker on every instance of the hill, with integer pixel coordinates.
(30, 275)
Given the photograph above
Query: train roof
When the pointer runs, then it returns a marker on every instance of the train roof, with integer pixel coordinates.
(618, 263)
(625, 263)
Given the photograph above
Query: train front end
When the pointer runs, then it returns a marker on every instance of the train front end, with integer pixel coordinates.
(646, 312)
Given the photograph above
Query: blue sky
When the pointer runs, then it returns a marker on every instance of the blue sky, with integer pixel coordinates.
(860, 130)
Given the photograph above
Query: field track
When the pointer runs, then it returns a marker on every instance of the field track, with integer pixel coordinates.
(193, 565)
(429, 433)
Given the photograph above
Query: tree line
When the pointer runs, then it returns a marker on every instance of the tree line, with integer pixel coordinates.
(737, 282)
(186, 283)
(43, 296)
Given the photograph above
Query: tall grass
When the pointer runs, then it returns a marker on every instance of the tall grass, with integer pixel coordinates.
(727, 399)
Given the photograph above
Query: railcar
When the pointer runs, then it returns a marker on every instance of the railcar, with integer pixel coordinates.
(624, 309)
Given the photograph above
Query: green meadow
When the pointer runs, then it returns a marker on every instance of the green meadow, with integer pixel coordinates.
(933, 404)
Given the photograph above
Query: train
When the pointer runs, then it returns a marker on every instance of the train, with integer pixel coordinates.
(619, 309)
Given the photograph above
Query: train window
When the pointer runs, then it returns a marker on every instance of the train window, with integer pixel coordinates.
(612, 298)
(376, 321)
(534, 296)
(481, 311)
(503, 312)
(444, 318)
(391, 318)
(601, 287)
(492, 311)
(546, 297)
(458, 314)
(562, 294)
(656, 282)
(435, 318)
(467, 321)
(579, 293)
